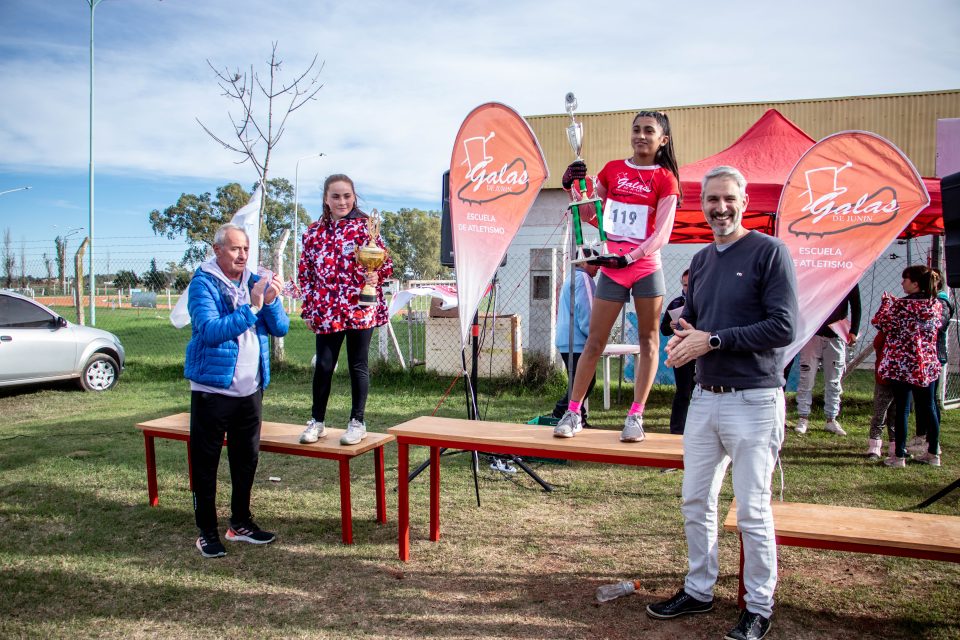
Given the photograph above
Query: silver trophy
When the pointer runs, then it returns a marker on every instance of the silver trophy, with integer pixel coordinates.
(574, 129)
(579, 191)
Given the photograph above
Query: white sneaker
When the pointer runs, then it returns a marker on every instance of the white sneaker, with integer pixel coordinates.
(803, 423)
(921, 448)
(356, 431)
(632, 429)
(928, 458)
(895, 462)
(314, 431)
(834, 427)
(570, 425)
(503, 466)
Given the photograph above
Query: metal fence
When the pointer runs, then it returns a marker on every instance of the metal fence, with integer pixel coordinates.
(523, 299)
(528, 289)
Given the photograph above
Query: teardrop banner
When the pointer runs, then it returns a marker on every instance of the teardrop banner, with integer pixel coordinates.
(849, 196)
(496, 172)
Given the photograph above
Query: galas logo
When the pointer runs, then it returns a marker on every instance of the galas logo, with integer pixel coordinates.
(849, 196)
(832, 208)
(489, 178)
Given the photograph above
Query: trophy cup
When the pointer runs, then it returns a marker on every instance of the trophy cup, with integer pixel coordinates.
(370, 256)
(581, 198)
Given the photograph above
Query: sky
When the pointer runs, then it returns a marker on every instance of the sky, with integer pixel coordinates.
(398, 79)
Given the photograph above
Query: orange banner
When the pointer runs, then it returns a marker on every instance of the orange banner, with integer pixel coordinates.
(847, 199)
(496, 172)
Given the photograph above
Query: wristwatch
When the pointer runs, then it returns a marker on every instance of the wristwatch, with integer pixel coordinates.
(254, 309)
(714, 341)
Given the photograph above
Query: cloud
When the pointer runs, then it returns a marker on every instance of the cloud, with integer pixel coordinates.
(399, 77)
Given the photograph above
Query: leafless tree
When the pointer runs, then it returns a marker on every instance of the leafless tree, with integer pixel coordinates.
(48, 263)
(60, 242)
(23, 264)
(257, 130)
(9, 259)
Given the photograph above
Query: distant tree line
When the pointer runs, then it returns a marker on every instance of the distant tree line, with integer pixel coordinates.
(412, 236)
(174, 277)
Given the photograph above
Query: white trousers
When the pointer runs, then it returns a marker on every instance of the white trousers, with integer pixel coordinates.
(831, 354)
(745, 428)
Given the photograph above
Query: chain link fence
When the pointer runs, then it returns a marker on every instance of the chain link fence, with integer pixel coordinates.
(517, 318)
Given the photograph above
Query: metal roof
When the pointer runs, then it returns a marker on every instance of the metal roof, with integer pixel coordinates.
(909, 120)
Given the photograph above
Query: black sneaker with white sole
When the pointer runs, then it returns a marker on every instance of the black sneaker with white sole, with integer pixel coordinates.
(210, 546)
(249, 532)
(679, 605)
(750, 626)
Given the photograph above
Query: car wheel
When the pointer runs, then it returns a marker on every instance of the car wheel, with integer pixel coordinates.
(100, 373)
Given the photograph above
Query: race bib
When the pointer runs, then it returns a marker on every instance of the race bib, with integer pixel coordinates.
(625, 220)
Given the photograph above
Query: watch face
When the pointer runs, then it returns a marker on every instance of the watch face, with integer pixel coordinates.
(714, 341)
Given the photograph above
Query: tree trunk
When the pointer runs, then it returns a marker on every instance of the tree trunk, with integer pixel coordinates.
(277, 352)
(78, 275)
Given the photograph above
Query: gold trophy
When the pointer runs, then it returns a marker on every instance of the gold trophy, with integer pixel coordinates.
(371, 257)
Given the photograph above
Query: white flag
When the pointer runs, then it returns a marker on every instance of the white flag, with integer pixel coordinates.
(248, 217)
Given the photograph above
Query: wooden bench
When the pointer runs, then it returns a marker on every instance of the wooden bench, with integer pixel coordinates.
(590, 445)
(891, 533)
(281, 438)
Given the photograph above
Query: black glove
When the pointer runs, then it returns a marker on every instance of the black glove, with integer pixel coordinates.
(611, 262)
(576, 171)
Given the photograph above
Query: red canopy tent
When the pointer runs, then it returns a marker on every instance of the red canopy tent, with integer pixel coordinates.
(765, 154)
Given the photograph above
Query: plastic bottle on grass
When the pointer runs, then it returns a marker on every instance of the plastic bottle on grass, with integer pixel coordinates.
(608, 592)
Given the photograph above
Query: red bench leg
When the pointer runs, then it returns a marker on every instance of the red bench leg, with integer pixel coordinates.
(403, 500)
(151, 455)
(380, 485)
(434, 493)
(741, 590)
(346, 513)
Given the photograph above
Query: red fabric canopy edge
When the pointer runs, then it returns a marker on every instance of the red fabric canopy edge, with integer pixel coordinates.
(765, 154)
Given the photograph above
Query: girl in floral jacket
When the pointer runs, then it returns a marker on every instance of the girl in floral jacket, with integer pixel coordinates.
(909, 360)
(330, 280)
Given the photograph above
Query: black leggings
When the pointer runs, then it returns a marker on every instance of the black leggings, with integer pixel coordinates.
(328, 351)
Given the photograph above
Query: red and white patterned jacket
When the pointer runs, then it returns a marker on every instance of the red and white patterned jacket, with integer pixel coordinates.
(330, 277)
(910, 328)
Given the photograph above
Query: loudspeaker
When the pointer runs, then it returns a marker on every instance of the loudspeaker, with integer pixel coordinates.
(446, 234)
(950, 191)
(446, 231)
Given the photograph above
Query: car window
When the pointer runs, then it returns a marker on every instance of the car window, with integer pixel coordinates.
(20, 313)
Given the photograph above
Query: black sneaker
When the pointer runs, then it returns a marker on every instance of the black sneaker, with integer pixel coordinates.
(249, 532)
(209, 545)
(678, 605)
(750, 626)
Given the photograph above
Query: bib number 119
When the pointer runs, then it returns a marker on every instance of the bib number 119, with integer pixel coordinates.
(624, 219)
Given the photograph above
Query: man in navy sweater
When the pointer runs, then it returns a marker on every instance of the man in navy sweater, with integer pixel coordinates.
(741, 312)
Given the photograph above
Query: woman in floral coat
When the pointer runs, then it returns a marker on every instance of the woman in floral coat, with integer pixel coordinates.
(909, 360)
(330, 279)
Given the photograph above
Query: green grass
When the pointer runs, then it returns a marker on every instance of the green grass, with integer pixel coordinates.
(82, 555)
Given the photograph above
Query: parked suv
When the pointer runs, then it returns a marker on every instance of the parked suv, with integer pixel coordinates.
(37, 345)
